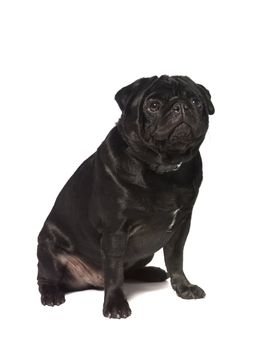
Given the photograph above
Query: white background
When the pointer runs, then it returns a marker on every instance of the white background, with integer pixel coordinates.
(61, 64)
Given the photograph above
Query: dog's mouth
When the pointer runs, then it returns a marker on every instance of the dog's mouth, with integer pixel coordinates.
(179, 139)
(175, 141)
(181, 134)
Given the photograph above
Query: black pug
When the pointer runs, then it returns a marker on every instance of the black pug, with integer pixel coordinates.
(132, 197)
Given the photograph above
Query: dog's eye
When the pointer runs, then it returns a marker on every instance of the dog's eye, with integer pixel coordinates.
(196, 102)
(154, 106)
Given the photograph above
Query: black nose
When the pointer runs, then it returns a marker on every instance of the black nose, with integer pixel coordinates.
(177, 107)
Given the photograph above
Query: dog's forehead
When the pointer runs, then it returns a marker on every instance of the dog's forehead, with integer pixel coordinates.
(168, 87)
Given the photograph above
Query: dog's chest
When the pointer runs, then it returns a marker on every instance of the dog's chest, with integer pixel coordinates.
(148, 234)
(153, 216)
(151, 221)
(156, 224)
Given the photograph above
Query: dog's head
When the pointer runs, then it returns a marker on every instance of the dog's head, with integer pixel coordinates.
(164, 120)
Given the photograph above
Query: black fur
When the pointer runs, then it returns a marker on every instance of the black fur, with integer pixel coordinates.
(132, 197)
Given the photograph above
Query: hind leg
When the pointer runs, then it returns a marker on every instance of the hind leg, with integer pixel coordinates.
(50, 274)
(140, 272)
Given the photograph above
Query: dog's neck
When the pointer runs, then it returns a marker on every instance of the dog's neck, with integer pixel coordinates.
(152, 161)
(166, 168)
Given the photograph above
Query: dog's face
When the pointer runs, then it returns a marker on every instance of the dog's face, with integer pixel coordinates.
(167, 116)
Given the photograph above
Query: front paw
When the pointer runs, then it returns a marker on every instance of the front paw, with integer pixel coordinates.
(116, 306)
(189, 291)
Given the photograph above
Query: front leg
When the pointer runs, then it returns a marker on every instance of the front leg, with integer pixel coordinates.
(113, 249)
(173, 253)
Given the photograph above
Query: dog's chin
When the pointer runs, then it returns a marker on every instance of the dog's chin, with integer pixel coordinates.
(175, 144)
(177, 150)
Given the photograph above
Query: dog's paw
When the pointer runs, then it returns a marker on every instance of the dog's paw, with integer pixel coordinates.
(189, 291)
(52, 295)
(116, 306)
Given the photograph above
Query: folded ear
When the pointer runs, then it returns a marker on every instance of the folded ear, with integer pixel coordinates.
(123, 96)
(207, 98)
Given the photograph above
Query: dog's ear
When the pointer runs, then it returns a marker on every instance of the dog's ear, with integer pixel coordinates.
(207, 98)
(123, 96)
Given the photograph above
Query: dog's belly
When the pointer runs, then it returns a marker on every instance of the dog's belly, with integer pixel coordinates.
(149, 235)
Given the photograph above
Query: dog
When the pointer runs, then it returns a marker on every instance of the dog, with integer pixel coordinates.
(132, 197)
